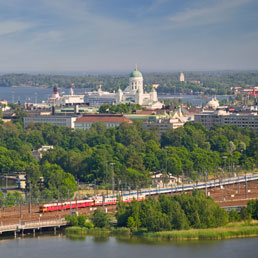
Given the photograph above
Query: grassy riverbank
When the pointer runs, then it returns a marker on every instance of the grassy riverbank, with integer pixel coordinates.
(234, 230)
(83, 230)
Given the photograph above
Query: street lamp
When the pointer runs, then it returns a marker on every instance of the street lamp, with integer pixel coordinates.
(106, 178)
(246, 191)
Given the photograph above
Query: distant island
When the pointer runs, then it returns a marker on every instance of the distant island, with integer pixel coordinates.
(208, 83)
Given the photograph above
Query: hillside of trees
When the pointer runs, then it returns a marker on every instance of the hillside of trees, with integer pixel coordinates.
(191, 150)
(218, 83)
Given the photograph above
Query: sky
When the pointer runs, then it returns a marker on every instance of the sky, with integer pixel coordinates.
(59, 36)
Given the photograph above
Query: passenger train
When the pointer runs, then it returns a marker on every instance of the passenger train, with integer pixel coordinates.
(88, 203)
(128, 197)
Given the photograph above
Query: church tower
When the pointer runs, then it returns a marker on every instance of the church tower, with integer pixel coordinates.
(136, 81)
(181, 77)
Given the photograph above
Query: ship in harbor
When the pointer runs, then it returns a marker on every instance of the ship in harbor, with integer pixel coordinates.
(65, 100)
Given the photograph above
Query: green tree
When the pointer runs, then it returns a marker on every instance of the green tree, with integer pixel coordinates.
(100, 219)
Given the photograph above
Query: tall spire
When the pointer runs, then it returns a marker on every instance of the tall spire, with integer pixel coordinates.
(136, 67)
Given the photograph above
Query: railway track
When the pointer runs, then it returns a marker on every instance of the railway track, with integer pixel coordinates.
(229, 195)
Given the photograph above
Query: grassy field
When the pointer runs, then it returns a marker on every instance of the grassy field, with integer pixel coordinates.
(234, 230)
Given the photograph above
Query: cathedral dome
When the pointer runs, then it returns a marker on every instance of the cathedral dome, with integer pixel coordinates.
(135, 73)
(213, 103)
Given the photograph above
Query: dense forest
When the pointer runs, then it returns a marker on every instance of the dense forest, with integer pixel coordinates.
(210, 82)
(191, 150)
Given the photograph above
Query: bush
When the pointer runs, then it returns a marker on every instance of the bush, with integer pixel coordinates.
(81, 220)
(234, 216)
(72, 220)
(100, 219)
(89, 225)
(131, 223)
(252, 208)
(245, 214)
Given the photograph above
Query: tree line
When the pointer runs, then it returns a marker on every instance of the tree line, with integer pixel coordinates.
(172, 213)
(218, 83)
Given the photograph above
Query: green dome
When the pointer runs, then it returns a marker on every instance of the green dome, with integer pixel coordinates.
(136, 73)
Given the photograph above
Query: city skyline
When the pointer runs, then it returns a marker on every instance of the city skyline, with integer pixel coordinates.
(111, 36)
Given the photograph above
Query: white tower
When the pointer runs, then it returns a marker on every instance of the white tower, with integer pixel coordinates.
(119, 96)
(181, 77)
(136, 81)
(153, 95)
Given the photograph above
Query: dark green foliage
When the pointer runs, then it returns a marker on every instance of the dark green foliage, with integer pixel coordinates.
(120, 108)
(11, 199)
(234, 216)
(72, 220)
(81, 220)
(177, 212)
(100, 219)
(245, 214)
(252, 208)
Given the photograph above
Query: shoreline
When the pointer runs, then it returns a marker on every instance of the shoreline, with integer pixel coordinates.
(231, 231)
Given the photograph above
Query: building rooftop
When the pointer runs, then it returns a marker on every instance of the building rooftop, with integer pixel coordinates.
(105, 118)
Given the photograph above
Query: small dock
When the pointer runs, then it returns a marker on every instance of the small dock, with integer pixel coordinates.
(32, 226)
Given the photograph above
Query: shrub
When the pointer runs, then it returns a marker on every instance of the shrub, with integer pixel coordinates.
(100, 219)
(234, 216)
(72, 220)
(81, 220)
(89, 225)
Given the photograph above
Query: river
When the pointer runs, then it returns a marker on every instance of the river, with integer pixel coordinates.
(34, 94)
(61, 246)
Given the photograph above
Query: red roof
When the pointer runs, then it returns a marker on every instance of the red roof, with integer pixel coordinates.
(105, 118)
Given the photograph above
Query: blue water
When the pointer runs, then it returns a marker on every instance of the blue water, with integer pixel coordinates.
(111, 247)
(30, 94)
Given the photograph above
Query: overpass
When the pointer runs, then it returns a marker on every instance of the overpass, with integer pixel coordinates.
(32, 225)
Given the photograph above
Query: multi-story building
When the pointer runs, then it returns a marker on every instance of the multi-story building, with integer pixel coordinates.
(163, 124)
(110, 120)
(221, 117)
(160, 119)
(61, 120)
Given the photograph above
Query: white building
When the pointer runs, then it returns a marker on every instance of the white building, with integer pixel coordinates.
(100, 97)
(135, 93)
(213, 104)
(64, 100)
(37, 154)
(181, 77)
(221, 117)
(60, 120)
(161, 180)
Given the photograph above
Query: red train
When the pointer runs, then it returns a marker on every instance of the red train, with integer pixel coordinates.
(85, 203)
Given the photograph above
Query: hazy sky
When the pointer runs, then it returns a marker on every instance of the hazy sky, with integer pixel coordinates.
(113, 35)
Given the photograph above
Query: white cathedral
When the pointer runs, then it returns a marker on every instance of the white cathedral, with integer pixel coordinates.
(134, 93)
